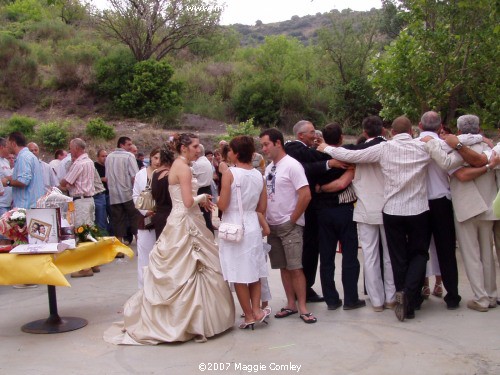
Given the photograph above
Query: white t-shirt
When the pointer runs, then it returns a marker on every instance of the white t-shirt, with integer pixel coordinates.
(282, 185)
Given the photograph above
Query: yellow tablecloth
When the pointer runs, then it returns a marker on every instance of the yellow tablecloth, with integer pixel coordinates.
(50, 268)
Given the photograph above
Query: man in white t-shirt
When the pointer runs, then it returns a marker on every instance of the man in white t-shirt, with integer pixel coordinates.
(288, 195)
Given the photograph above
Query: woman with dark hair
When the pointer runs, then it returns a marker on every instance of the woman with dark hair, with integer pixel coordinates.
(159, 188)
(244, 263)
(184, 296)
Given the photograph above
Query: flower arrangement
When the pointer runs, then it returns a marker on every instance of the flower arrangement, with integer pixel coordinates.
(13, 226)
(87, 232)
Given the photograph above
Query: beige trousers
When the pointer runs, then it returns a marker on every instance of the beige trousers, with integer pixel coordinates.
(475, 240)
(84, 211)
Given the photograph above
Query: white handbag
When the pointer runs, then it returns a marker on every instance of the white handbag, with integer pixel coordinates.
(233, 232)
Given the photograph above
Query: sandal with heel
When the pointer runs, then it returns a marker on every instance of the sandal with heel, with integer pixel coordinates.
(246, 325)
(438, 290)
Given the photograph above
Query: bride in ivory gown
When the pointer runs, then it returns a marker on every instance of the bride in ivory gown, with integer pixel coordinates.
(184, 296)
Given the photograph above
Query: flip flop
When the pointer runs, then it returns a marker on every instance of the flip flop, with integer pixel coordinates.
(308, 315)
(283, 313)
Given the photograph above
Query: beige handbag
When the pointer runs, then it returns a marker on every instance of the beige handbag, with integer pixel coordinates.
(145, 201)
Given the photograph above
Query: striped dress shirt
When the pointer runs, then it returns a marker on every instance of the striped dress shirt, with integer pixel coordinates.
(403, 161)
(80, 177)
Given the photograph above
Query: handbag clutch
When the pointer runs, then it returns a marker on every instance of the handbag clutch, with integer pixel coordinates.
(233, 232)
(145, 200)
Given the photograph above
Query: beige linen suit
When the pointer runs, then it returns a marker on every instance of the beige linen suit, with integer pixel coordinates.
(474, 218)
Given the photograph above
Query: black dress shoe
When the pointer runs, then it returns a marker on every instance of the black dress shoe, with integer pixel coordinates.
(335, 306)
(315, 298)
(452, 306)
(356, 305)
(410, 315)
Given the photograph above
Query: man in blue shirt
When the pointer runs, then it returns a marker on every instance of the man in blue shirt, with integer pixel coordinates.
(27, 178)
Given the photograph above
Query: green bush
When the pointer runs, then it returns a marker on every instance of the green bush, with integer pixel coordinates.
(53, 135)
(260, 100)
(97, 128)
(113, 73)
(16, 123)
(243, 128)
(150, 91)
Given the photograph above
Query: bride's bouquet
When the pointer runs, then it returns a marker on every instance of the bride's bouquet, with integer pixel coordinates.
(13, 225)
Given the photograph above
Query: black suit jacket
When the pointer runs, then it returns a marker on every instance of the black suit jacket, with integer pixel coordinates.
(314, 163)
(362, 146)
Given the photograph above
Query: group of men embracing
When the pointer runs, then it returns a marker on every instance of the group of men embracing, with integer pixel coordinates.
(394, 196)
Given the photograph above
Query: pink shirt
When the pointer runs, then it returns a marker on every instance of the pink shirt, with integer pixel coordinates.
(80, 177)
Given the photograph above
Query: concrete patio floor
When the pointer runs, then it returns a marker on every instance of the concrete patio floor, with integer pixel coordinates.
(361, 341)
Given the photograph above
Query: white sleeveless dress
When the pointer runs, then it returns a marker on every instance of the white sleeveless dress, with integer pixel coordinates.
(244, 262)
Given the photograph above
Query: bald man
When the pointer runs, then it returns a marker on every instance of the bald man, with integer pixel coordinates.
(49, 177)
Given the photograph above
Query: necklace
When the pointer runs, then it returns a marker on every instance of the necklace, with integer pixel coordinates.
(185, 160)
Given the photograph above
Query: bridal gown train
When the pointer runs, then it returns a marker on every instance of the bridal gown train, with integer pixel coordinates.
(184, 294)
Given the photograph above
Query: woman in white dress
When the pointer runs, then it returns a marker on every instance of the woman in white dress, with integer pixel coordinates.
(243, 263)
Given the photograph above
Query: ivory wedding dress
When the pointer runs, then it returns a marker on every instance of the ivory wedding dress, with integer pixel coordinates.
(184, 296)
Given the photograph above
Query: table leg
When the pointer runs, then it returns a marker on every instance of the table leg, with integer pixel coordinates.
(54, 323)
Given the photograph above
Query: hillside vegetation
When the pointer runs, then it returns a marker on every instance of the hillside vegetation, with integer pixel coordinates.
(154, 61)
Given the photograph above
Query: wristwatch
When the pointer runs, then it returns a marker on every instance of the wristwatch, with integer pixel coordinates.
(459, 146)
(7, 183)
(488, 168)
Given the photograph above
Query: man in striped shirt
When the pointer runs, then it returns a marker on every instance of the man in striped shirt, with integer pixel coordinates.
(27, 178)
(79, 182)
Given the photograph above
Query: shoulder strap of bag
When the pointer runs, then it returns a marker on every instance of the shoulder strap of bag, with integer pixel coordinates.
(238, 194)
(149, 180)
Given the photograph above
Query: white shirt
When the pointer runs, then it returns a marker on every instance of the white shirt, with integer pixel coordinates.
(368, 185)
(404, 163)
(282, 186)
(203, 171)
(438, 183)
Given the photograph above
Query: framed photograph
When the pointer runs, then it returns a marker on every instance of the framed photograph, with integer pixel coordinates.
(43, 225)
(39, 230)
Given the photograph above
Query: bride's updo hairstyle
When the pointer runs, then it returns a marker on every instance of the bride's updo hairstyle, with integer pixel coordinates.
(183, 139)
(167, 154)
(244, 146)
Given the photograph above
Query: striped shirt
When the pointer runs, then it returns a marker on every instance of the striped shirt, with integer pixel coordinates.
(404, 162)
(28, 171)
(80, 177)
(121, 168)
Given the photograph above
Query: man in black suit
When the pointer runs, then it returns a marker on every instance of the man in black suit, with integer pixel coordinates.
(317, 165)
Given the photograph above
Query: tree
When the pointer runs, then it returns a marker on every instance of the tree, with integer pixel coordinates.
(154, 28)
(348, 45)
(446, 59)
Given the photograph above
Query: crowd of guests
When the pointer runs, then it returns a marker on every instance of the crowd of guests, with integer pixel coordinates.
(404, 199)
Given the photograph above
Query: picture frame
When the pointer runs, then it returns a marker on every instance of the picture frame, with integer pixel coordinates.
(43, 225)
(39, 230)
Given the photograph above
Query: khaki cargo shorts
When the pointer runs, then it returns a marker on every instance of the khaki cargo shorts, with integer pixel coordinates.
(286, 246)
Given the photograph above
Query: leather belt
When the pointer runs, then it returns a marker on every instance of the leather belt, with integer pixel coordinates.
(80, 197)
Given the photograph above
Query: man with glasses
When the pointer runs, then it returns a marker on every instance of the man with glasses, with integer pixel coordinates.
(288, 196)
